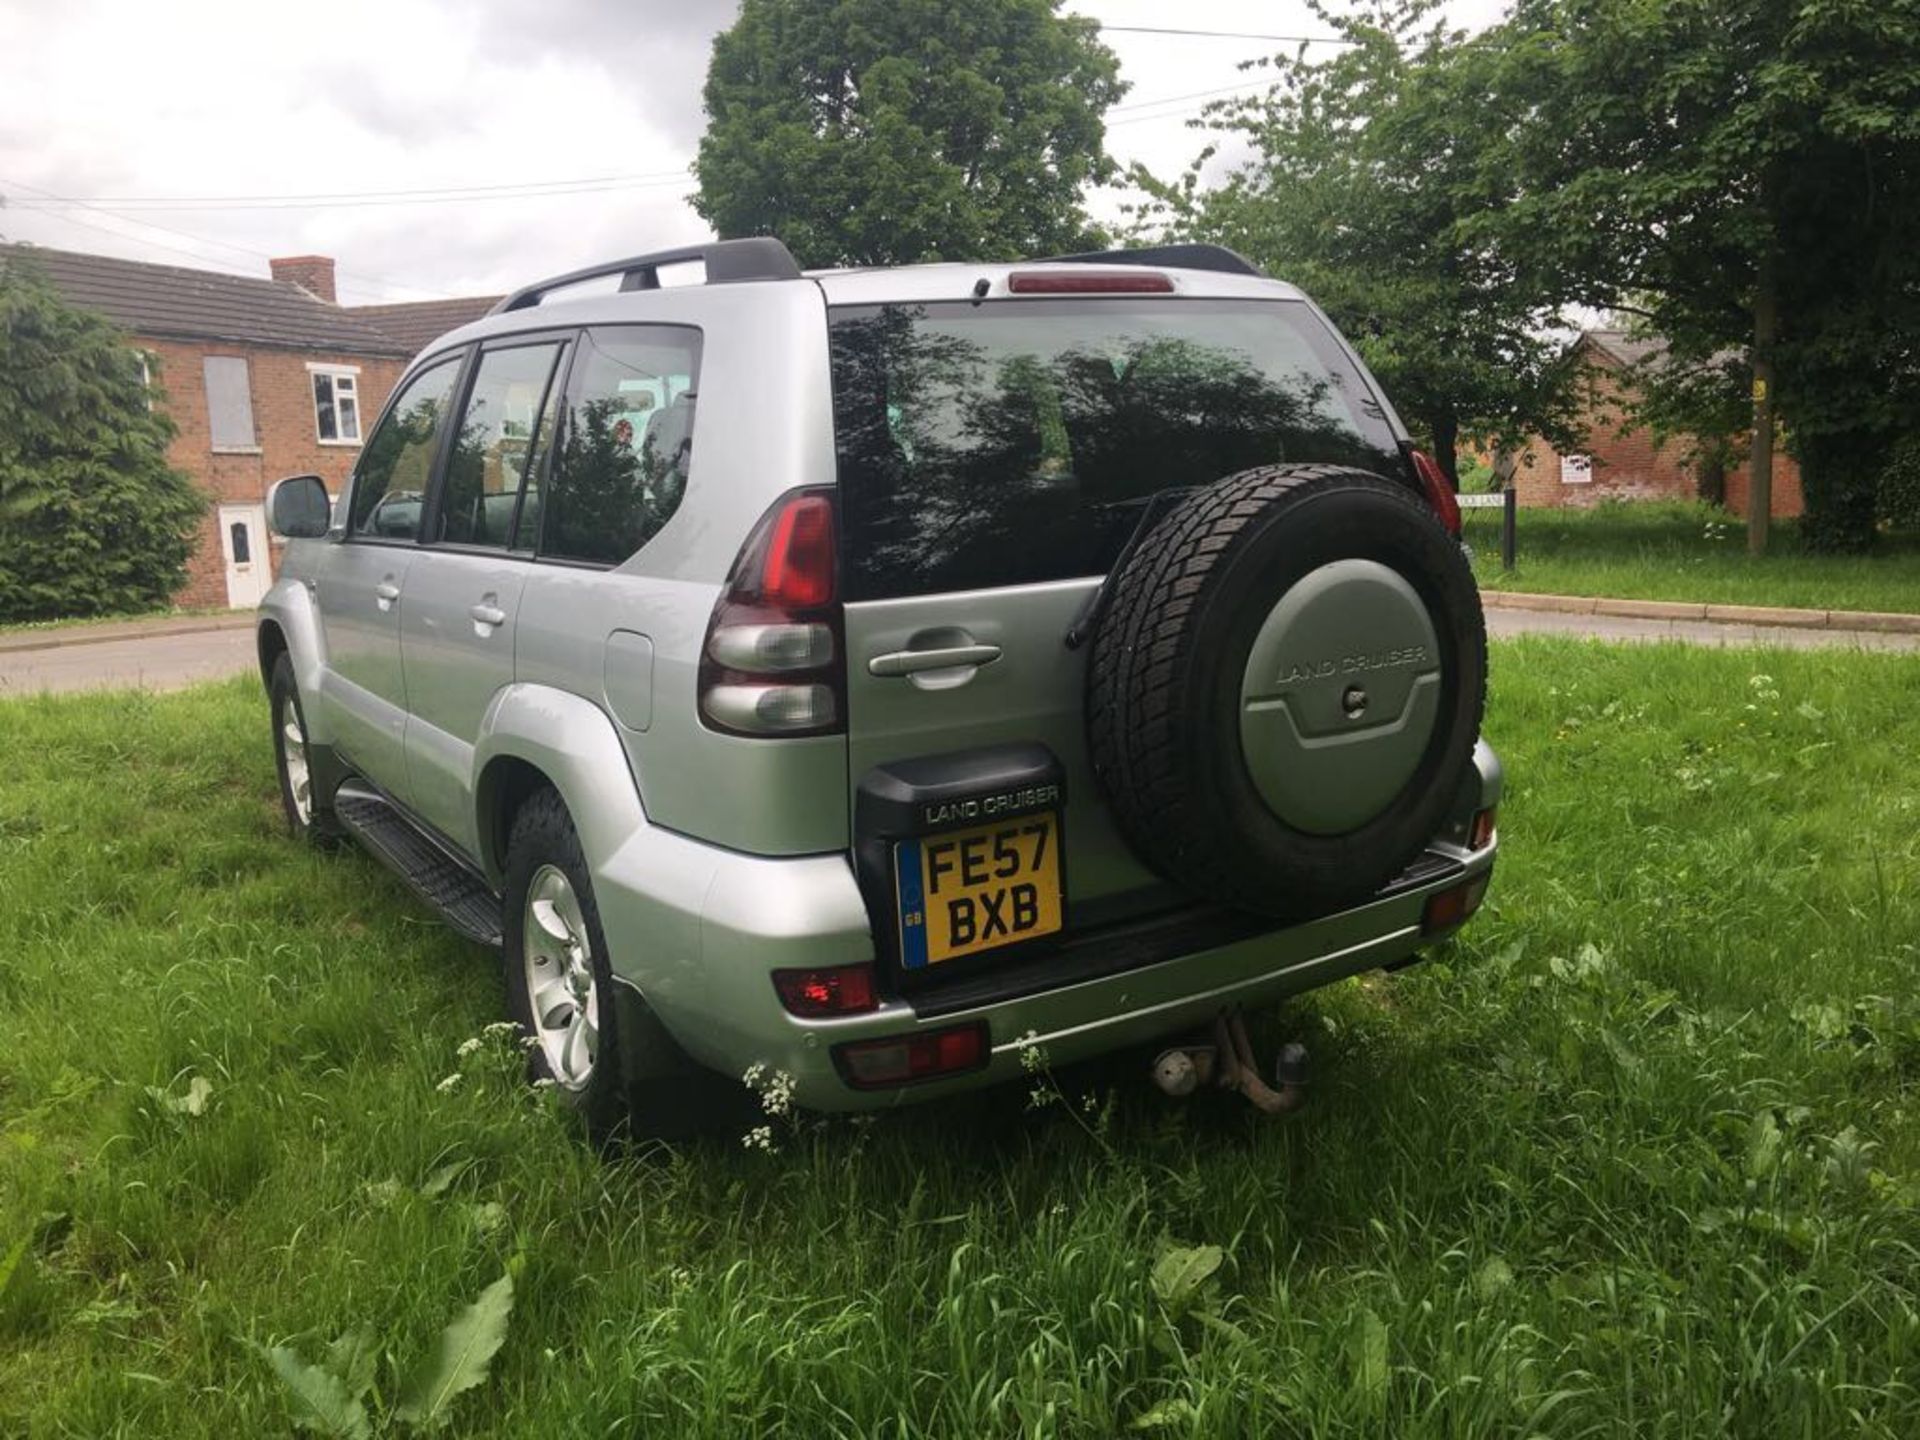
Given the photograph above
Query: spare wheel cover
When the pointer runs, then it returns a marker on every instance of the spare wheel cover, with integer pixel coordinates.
(1340, 696)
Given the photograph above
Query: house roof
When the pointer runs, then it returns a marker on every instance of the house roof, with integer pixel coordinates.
(420, 323)
(1625, 347)
(172, 302)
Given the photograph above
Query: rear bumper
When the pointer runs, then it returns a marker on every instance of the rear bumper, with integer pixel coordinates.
(698, 930)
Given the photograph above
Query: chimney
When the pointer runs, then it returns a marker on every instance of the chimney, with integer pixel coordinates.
(312, 273)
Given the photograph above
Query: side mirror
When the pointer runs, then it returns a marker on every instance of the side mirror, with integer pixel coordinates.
(297, 508)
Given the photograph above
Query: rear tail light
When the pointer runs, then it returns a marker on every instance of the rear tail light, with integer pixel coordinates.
(1083, 282)
(832, 990)
(903, 1059)
(1440, 493)
(1450, 908)
(771, 663)
(1481, 834)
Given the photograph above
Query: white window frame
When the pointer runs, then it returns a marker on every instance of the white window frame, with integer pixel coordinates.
(336, 373)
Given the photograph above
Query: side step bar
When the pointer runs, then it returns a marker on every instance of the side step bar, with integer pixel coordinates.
(445, 883)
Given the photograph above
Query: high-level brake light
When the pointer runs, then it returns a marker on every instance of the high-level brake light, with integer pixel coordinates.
(1089, 282)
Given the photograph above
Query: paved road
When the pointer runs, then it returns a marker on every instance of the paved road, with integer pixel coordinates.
(1694, 632)
(168, 662)
(155, 662)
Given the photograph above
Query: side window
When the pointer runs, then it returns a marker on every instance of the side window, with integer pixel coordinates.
(626, 444)
(494, 446)
(391, 479)
(336, 404)
(527, 532)
(229, 402)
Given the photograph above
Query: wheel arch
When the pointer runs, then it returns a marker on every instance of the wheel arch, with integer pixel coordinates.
(534, 737)
(289, 625)
(271, 641)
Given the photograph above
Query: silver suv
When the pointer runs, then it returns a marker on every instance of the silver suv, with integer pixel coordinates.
(866, 675)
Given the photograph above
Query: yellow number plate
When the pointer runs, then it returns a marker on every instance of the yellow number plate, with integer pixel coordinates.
(973, 890)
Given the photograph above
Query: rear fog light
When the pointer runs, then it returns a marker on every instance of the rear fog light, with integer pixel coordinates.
(1482, 833)
(830, 990)
(1447, 909)
(902, 1059)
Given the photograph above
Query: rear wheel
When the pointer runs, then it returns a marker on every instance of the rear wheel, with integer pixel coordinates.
(559, 987)
(1285, 691)
(607, 1055)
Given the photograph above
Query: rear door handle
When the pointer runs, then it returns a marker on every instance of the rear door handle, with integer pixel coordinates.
(487, 614)
(951, 657)
(385, 594)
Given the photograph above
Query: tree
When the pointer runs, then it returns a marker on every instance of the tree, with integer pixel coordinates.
(1749, 170)
(873, 132)
(1367, 170)
(93, 520)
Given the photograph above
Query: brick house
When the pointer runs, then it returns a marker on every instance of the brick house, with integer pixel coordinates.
(264, 378)
(1623, 462)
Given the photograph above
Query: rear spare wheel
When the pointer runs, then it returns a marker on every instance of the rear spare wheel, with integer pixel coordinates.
(1286, 687)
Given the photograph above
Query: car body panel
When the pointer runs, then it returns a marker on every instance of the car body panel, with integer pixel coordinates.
(455, 664)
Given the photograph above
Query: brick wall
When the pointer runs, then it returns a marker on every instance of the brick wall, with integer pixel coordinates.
(1627, 464)
(283, 428)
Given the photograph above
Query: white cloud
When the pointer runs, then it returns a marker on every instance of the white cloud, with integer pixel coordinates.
(202, 99)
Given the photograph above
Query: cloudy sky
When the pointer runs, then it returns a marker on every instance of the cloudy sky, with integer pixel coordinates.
(442, 147)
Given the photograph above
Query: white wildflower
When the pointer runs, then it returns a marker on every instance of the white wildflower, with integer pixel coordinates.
(468, 1046)
(447, 1084)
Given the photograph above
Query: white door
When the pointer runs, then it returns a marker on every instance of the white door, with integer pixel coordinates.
(243, 541)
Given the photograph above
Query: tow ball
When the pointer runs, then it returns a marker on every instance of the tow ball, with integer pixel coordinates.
(1229, 1064)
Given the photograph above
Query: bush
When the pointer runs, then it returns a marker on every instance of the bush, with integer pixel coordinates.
(1898, 499)
(93, 520)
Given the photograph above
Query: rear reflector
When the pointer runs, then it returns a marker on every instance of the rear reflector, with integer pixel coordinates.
(834, 990)
(903, 1059)
(1454, 906)
(1439, 490)
(1098, 282)
(1481, 835)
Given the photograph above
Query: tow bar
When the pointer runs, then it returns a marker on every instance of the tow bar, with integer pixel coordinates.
(1228, 1063)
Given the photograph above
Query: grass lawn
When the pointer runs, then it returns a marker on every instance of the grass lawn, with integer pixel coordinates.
(1639, 1155)
(1671, 551)
(167, 612)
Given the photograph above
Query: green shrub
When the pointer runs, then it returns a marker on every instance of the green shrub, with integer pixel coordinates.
(93, 520)
(1898, 500)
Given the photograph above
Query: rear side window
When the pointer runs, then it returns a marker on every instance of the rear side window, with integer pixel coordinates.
(1011, 443)
(626, 442)
(390, 481)
(495, 446)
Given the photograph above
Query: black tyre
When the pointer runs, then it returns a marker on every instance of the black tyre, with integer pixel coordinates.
(609, 1058)
(309, 818)
(1286, 688)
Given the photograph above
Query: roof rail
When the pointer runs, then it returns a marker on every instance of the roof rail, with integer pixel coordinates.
(760, 257)
(1184, 256)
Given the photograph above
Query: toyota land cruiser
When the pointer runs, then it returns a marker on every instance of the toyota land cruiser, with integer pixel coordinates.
(867, 674)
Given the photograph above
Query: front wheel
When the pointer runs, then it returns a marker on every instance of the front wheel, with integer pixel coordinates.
(307, 817)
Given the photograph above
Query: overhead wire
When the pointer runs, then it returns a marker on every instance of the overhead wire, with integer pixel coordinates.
(378, 280)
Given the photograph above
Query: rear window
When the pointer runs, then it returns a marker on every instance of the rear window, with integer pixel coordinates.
(1009, 443)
